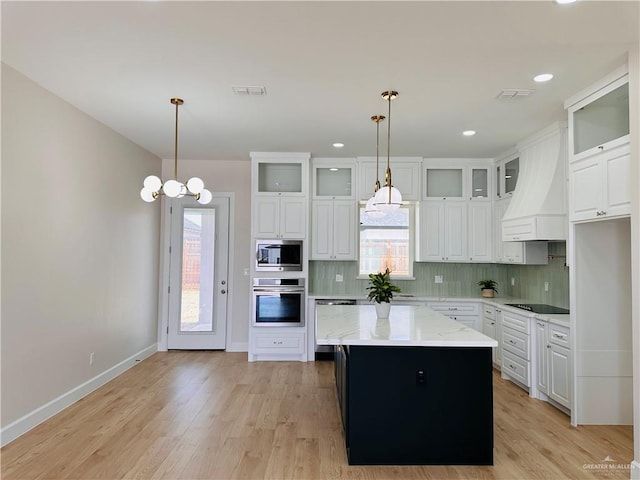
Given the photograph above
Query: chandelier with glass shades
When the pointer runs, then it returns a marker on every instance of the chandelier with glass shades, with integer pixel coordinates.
(153, 187)
(388, 198)
(370, 208)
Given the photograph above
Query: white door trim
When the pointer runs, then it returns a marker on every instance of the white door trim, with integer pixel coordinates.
(164, 271)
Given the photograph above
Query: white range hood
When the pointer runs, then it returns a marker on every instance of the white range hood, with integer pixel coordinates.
(538, 207)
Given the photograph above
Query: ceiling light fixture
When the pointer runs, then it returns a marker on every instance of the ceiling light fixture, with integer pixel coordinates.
(565, 2)
(469, 133)
(388, 198)
(370, 208)
(154, 187)
(543, 77)
(338, 145)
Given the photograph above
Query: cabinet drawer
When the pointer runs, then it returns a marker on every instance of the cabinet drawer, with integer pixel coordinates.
(285, 343)
(559, 335)
(515, 342)
(515, 321)
(455, 308)
(515, 367)
(489, 312)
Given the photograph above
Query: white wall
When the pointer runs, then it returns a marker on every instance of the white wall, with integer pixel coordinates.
(80, 251)
(229, 176)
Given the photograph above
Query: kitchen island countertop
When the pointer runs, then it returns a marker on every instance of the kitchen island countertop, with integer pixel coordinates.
(406, 326)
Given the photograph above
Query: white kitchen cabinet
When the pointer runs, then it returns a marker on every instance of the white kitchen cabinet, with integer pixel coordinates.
(279, 217)
(490, 329)
(443, 231)
(521, 253)
(599, 184)
(542, 356)
(599, 152)
(447, 179)
(479, 231)
(467, 313)
(553, 362)
(333, 230)
(275, 174)
(516, 348)
(277, 343)
(507, 169)
(405, 176)
(560, 365)
(333, 178)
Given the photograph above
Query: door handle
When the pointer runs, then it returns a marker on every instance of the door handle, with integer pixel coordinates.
(223, 291)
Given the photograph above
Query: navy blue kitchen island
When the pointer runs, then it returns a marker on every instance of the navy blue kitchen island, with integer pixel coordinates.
(416, 389)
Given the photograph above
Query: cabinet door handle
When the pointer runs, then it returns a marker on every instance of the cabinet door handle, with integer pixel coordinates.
(548, 346)
(512, 342)
(600, 147)
(557, 335)
(493, 323)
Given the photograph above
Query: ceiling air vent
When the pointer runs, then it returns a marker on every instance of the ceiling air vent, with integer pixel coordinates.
(249, 90)
(514, 93)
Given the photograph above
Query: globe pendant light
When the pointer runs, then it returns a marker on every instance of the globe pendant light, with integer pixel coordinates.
(370, 208)
(388, 198)
(153, 187)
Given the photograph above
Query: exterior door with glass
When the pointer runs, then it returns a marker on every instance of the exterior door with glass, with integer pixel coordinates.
(198, 274)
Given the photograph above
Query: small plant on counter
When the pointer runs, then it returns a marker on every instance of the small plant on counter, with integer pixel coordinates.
(380, 288)
(488, 287)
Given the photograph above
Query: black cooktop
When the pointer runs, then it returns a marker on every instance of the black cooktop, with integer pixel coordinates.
(539, 308)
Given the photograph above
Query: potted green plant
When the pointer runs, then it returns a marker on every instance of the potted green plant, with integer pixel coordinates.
(488, 287)
(381, 292)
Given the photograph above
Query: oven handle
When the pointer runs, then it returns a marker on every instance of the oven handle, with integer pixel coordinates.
(279, 290)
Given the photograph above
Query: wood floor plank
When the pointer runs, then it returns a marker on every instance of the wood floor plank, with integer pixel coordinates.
(213, 415)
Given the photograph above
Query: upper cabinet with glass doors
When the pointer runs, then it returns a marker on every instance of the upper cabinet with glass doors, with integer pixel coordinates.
(458, 180)
(276, 174)
(507, 169)
(600, 119)
(333, 178)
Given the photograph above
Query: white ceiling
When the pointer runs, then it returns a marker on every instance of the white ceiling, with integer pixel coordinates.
(324, 65)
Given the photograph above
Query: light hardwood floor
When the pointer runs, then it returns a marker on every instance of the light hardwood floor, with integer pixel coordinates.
(213, 415)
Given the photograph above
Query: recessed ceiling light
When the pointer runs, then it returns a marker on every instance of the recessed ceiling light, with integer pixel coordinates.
(469, 133)
(565, 2)
(333, 169)
(543, 77)
(338, 145)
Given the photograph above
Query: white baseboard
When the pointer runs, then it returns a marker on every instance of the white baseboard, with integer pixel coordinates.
(48, 410)
(238, 347)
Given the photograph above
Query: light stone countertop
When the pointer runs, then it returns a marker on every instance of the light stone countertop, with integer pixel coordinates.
(407, 326)
(499, 302)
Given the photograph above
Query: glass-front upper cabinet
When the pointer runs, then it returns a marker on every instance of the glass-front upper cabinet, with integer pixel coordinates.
(479, 183)
(511, 170)
(599, 115)
(333, 178)
(604, 119)
(506, 169)
(444, 183)
(280, 173)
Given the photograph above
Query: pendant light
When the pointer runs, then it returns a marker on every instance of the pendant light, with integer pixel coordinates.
(154, 187)
(371, 209)
(388, 198)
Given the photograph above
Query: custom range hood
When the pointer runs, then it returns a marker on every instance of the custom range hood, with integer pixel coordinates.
(538, 207)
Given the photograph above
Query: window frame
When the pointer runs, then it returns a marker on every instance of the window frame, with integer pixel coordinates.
(411, 207)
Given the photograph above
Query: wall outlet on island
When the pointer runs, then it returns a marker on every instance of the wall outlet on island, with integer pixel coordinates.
(513, 281)
(438, 279)
(339, 277)
(546, 286)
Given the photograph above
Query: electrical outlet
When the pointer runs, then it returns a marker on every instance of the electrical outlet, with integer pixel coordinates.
(339, 277)
(438, 279)
(546, 286)
(92, 357)
(513, 281)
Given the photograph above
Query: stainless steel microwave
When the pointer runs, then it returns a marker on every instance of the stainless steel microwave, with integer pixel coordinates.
(278, 255)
